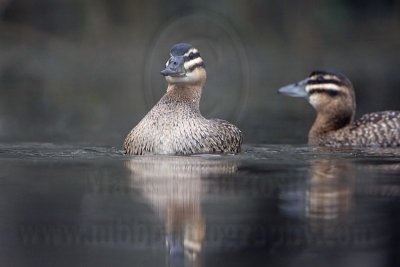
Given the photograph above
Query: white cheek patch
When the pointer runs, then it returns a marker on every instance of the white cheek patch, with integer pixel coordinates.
(190, 77)
(172, 79)
(313, 99)
(166, 64)
(184, 79)
(327, 86)
(193, 62)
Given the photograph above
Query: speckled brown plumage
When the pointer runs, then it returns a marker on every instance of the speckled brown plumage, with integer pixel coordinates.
(175, 126)
(380, 129)
(333, 97)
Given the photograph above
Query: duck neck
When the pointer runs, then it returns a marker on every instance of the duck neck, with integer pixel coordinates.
(186, 94)
(325, 124)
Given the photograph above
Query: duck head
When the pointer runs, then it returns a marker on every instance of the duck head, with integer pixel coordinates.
(185, 66)
(331, 94)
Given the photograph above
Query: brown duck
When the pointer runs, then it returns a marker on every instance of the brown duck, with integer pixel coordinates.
(332, 96)
(174, 125)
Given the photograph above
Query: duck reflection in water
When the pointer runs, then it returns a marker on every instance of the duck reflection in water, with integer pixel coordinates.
(174, 186)
(330, 190)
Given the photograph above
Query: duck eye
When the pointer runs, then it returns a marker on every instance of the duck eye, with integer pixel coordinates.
(333, 93)
(191, 55)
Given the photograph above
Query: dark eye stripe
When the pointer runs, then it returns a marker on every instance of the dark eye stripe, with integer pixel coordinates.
(193, 56)
(329, 92)
(196, 66)
(324, 82)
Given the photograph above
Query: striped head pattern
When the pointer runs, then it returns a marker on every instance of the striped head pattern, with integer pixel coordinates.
(185, 65)
(327, 92)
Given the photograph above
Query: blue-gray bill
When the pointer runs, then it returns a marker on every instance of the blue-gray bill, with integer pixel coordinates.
(295, 90)
(175, 67)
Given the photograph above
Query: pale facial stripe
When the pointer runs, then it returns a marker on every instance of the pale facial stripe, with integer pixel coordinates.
(322, 86)
(325, 77)
(189, 64)
(191, 50)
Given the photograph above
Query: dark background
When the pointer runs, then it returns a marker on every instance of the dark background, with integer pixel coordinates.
(86, 71)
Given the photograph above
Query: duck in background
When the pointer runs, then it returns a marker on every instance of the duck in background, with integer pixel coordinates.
(332, 96)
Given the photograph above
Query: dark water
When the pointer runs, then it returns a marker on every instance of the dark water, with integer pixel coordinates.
(271, 206)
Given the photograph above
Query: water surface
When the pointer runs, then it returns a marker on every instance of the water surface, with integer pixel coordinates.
(273, 205)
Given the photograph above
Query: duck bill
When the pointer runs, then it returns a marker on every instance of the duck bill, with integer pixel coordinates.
(295, 90)
(175, 67)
